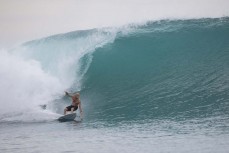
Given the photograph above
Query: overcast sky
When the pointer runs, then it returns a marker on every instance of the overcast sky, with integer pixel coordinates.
(23, 20)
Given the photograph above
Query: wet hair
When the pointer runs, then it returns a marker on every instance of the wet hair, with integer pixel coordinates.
(77, 95)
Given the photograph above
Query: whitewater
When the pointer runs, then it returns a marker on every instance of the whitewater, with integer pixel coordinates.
(156, 85)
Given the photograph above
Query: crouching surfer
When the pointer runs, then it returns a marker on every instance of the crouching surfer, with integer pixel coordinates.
(76, 103)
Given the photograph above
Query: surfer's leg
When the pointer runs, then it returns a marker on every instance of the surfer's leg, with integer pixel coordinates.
(68, 108)
(72, 109)
(65, 111)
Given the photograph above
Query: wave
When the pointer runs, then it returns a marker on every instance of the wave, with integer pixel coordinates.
(169, 69)
(163, 69)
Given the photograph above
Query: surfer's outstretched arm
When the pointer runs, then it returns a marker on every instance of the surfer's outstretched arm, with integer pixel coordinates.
(67, 94)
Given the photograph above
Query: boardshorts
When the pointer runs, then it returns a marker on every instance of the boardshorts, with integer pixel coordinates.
(70, 107)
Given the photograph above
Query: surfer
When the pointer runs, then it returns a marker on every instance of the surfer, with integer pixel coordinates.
(75, 104)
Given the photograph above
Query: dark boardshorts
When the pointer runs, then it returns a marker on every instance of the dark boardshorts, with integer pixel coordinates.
(69, 108)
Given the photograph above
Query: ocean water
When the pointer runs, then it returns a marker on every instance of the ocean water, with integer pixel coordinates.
(161, 86)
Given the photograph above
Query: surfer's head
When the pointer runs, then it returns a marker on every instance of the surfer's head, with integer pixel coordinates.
(77, 95)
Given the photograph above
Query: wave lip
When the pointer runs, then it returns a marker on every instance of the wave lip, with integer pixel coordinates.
(88, 15)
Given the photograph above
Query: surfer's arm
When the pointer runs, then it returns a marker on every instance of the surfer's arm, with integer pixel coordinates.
(81, 111)
(67, 94)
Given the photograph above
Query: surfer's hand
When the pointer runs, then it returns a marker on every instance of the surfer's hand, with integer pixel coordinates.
(66, 93)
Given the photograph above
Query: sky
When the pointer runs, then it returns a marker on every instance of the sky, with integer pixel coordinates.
(24, 20)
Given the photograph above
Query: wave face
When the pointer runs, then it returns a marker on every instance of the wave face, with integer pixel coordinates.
(167, 69)
(170, 69)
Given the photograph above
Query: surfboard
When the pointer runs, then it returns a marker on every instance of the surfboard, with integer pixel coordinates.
(68, 117)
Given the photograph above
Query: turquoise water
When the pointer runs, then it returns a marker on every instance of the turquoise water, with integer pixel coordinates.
(158, 87)
(178, 72)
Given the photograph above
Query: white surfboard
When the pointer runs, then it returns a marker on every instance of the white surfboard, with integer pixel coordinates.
(68, 117)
